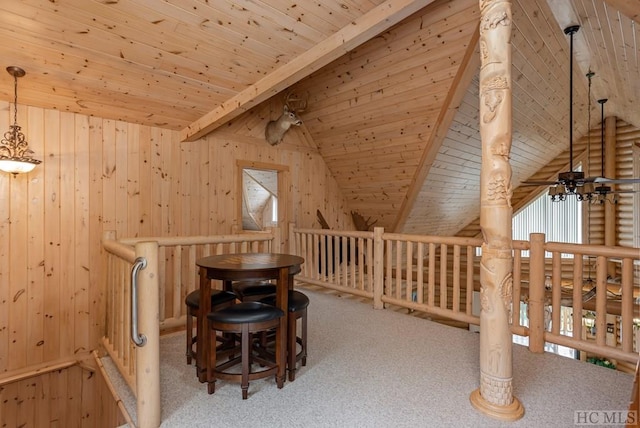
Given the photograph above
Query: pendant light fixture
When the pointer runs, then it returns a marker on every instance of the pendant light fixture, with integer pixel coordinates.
(15, 155)
(574, 183)
(569, 183)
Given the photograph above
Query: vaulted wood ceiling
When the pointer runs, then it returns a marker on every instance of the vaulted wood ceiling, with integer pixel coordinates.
(393, 87)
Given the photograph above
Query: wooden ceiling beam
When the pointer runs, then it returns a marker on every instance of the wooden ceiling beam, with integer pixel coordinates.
(468, 68)
(362, 29)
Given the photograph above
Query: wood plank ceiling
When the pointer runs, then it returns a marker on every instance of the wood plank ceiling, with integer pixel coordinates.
(395, 117)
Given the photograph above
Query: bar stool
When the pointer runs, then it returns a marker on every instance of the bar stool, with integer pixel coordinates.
(298, 303)
(219, 300)
(252, 291)
(244, 318)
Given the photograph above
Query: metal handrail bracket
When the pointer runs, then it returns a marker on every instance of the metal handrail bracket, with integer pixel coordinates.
(139, 339)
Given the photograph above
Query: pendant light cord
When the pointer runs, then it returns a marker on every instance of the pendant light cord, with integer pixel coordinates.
(590, 74)
(602, 101)
(15, 100)
(571, 32)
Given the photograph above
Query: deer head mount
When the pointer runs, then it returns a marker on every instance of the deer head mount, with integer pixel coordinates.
(276, 129)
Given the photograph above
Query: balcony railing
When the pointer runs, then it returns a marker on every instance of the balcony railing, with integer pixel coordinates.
(434, 274)
(440, 276)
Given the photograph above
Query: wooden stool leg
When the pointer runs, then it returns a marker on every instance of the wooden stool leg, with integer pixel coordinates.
(211, 365)
(246, 339)
(247, 331)
(304, 338)
(291, 346)
(189, 336)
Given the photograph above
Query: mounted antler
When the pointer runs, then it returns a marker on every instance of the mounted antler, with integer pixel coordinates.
(321, 220)
(360, 223)
(276, 129)
(296, 102)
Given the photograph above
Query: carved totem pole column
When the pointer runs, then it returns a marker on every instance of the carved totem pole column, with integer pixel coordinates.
(494, 397)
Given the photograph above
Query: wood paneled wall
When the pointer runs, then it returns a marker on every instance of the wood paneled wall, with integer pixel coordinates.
(100, 174)
(70, 397)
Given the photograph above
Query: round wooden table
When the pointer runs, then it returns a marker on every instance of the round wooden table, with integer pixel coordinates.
(241, 267)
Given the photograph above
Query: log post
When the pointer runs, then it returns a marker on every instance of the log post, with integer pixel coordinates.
(494, 397)
(148, 356)
(535, 305)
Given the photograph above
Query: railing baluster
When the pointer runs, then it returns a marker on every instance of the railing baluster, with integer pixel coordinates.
(177, 277)
(601, 300)
(443, 276)
(409, 275)
(556, 280)
(456, 278)
(577, 297)
(432, 274)
(627, 305)
(420, 273)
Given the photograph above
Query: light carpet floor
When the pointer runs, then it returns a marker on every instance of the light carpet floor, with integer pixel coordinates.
(380, 368)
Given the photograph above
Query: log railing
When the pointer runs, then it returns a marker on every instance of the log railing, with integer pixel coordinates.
(324, 252)
(436, 275)
(610, 295)
(169, 275)
(440, 276)
(433, 274)
(139, 366)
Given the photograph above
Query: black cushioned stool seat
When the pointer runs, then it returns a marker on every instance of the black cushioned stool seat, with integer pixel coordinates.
(244, 318)
(252, 291)
(298, 303)
(219, 300)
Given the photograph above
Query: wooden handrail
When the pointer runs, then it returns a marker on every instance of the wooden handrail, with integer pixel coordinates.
(37, 370)
(593, 250)
(170, 241)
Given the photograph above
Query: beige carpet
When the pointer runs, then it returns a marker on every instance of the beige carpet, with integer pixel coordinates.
(379, 368)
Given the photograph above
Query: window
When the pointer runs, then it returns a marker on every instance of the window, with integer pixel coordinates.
(263, 192)
(274, 210)
(259, 198)
(559, 221)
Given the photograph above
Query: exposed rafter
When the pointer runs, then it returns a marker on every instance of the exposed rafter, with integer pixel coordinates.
(367, 26)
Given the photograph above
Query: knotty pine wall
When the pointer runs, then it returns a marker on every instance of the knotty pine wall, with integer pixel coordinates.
(70, 397)
(99, 175)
